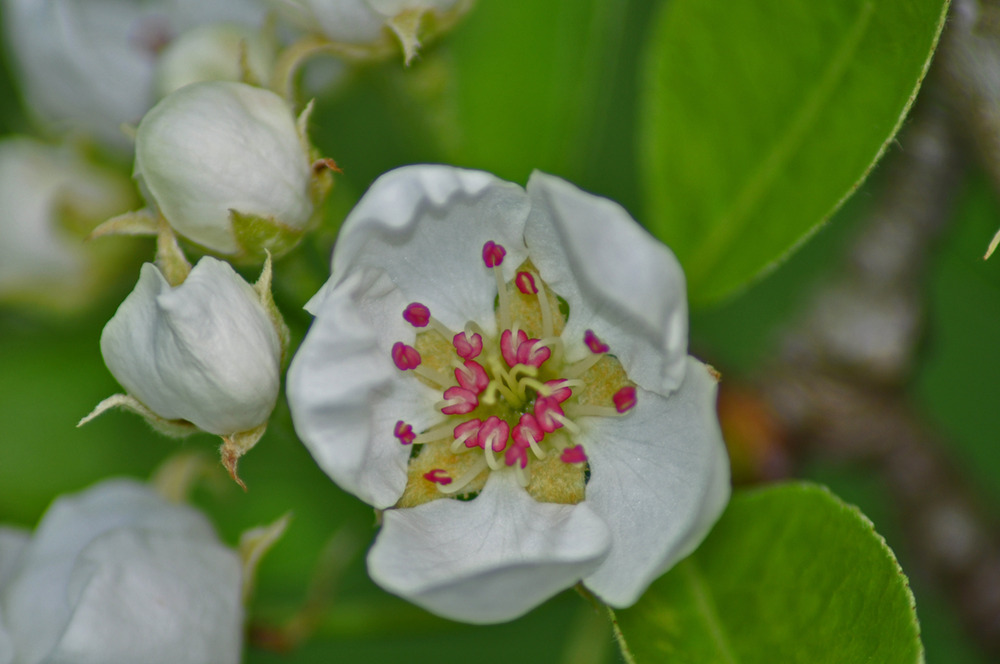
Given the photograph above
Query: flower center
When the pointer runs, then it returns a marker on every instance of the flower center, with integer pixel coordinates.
(511, 401)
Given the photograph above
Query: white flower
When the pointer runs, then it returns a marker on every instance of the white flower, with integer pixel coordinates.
(225, 165)
(115, 575)
(588, 443)
(367, 21)
(47, 193)
(206, 352)
(88, 66)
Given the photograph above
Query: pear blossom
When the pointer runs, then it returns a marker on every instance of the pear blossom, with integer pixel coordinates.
(216, 52)
(227, 167)
(116, 575)
(89, 66)
(504, 374)
(206, 352)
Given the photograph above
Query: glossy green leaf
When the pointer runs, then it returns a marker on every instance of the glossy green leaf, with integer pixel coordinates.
(760, 118)
(789, 574)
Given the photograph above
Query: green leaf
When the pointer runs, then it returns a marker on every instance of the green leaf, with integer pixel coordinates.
(760, 118)
(789, 574)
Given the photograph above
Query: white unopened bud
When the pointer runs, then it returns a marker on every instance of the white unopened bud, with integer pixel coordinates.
(50, 198)
(206, 352)
(369, 21)
(226, 166)
(88, 66)
(116, 575)
(223, 52)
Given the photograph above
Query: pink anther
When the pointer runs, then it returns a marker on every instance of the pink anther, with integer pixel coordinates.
(549, 414)
(472, 376)
(594, 343)
(516, 454)
(527, 427)
(469, 432)
(525, 283)
(438, 476)
(509, 345)
(533, 353)
(624, 399)
(493, 254)
(459, 401)
(405, 357)
(468, 347)
(560, 391)
(573, 454)
(404, 432)
(494, 433)
(417, 315)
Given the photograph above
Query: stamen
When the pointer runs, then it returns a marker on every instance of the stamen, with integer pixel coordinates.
(533, 353)
(417, 315)
(593, 343)
(525, 283)
(548, 413)
(440, 432)
(625, 399)
(468, 346)
(573, 454)
(458, 401)
(535, 384)
(516, 455)
(439, 476)
(528, 433)
(471, 376)
(493, 255)
(499, 384)
(494, 434)
(579, 368)
(472, 473)
(404, 432)
(561, 390)
(464, 432)
(570, 425)
(523, 474)
(510, 342)
(405, 357)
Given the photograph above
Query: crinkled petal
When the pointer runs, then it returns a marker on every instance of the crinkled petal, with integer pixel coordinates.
(152, 598)
(425, 226)
(346, 395)
(659, 479)
(488, 560)
(205, 351)
(620, 282)
(34, 598)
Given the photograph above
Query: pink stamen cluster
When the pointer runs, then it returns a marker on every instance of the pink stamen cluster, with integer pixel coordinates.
(508, 372)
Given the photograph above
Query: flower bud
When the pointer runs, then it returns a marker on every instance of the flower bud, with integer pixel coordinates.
(222, 52)
(364, 22)
(50, 198)
(88, 66)
(206, 352)
(116, 575)
(226, 166)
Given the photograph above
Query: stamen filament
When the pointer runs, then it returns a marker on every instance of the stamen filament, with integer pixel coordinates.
(578, 369)
(491, 460)
(440, 432)
(463, 481)
(523, 475)
(535, 447)
(588, 410)
(570, 425)
(548, 329)
(458, 443)
(503, 302)
(534, 383)
(441, 329)
(434, 376)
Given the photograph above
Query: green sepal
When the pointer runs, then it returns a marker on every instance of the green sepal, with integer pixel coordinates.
(257, 236)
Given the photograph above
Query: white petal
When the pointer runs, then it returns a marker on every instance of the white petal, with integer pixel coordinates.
(619, 281)
(205, 351)
(659, 479)
(425, 226)
(152, 598)
(218, 146)
(349, 21)
(488, 560)
(346, 395)
(12, 543)
(34, 599)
